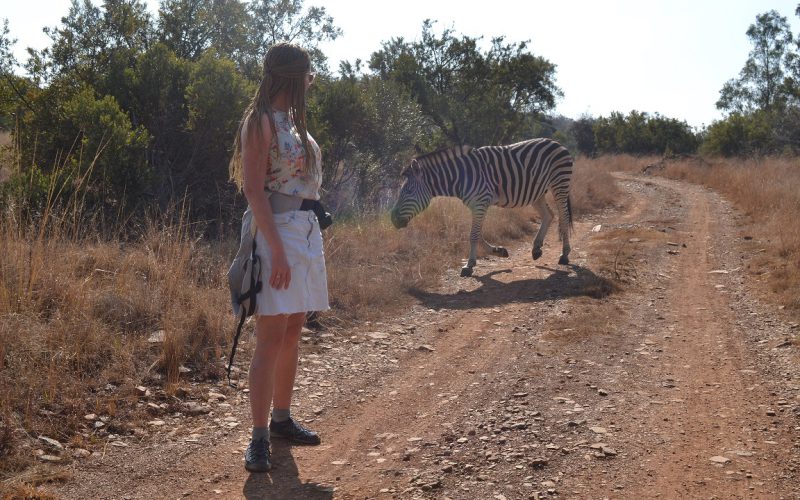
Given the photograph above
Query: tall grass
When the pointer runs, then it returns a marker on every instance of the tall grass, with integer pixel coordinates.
(78, 306)
(76, 315)
(593, 187)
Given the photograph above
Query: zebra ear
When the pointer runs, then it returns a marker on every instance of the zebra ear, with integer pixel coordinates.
(418, 149)
(414, 167)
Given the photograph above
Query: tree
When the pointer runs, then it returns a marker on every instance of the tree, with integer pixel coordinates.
(338, 115)
(366, 127)
(640, 133)
(216, 97)
(583, 132)
(472, 97)
(285, 20)
(761, 81)
(127, 25)
(7, 59)
(184, 27)
(190, 27)
(95, 44)
(157, 86)
(87, 142)
(395, 122)
(229, 22)
(13, 89)
(763, 103)
(792, 81)
(78, 44)
(739, 135)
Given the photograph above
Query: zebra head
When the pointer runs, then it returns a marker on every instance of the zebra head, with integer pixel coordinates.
(415, 196)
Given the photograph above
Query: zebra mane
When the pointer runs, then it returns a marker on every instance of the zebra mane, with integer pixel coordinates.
(443, 154)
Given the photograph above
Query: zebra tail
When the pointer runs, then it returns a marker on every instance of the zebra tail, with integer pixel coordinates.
(569, 214)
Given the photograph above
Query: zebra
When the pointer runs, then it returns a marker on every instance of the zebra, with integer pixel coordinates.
(507, 176)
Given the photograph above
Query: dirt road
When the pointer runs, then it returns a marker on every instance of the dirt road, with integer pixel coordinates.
(527, 381)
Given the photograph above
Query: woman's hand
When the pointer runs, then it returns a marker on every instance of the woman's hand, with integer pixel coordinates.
(281, 274)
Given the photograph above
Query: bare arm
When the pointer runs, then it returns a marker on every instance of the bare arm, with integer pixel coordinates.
(255, 159)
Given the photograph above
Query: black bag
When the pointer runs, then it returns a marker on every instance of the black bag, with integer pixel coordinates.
(325, 219)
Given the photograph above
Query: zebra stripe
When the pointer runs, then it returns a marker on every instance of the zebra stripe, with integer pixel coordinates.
(507, 176)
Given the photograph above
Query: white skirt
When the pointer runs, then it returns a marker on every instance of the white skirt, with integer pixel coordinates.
(308, 287)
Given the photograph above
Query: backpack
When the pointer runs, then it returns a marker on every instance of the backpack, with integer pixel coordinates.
(244, 280)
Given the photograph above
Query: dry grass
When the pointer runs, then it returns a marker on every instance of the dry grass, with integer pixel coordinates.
(767, 190)
(77, 308)
(371, 264)
(25, 486)
(25, 491)
(593, 187)
(75, 318)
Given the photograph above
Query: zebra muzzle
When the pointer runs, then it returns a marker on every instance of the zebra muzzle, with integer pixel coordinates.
(398, 222)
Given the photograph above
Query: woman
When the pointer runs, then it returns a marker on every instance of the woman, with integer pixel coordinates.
(278, 166)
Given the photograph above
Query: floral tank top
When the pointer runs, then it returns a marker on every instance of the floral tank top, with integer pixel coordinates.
(286, 173)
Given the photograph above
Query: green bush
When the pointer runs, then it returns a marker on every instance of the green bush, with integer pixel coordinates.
(88, 144)
(740, 135)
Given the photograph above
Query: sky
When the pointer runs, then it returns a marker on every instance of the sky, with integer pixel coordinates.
(657, 56)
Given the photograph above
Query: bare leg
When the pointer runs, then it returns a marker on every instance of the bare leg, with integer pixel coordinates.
(287, 362)
(547, 217)
(270, 332)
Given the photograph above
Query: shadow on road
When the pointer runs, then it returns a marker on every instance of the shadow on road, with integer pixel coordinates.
(575, 282)
(283, 481)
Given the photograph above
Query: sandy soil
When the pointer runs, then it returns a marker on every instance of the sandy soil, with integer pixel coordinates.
(520, 383)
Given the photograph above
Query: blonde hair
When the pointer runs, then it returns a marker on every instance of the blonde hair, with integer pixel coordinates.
(285, 68)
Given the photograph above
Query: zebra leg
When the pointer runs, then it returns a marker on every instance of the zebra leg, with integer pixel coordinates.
(473, 249)
(478, 214)
(547, 217)
(564, 223)
(467, 269)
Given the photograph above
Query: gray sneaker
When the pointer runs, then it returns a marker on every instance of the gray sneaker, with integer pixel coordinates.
(256, 458)
(294, 432)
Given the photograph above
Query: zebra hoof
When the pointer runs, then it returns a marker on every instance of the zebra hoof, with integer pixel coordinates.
(537, 252)
(564, 260)
(466, 272)
(500, 251)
